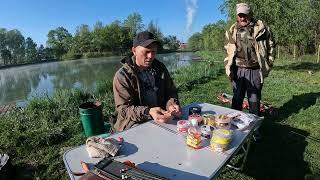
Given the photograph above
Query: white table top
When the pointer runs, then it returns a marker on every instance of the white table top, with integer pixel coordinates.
(159, 149)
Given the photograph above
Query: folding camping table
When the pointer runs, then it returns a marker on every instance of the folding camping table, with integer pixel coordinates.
(158, 148)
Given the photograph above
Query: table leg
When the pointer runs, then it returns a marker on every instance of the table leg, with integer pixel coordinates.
(246, 151)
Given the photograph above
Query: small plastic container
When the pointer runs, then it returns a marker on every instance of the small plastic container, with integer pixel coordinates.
(194, 110)
(194, 138)
(208, 119)
(183, 126)
(195, 116)
(220, 139)
(206, 131)
(223, 122)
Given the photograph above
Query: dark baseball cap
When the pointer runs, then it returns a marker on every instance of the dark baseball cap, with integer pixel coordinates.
(144, 39)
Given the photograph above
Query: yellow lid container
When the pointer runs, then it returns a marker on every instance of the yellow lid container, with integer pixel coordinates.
(221, 136)
(220, 140)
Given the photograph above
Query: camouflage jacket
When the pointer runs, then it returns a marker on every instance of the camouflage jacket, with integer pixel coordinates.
(264, 46)
(128, 90)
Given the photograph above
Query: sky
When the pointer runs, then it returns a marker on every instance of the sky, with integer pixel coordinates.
(35, 18)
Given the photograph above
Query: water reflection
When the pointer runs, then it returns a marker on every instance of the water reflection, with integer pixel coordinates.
(175, 60)
(22, 83)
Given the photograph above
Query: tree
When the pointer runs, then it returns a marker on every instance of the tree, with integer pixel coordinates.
(154, 28)
(15, 44)
(3, 34)
(213, 36)
(315, 16)
(171, 42)
(6, 56)
(3, 46)
(195, 41)
(60, 41)
(40, 53)
(48, 53)
(134, 24)
(83, 39)
(118, 37)
(30, 50)
(98, 25)
(98, 37)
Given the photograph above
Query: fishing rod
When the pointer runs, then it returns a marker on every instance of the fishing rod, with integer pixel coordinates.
(308, 137)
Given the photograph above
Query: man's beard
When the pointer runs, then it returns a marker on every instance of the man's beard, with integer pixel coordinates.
(243, 23)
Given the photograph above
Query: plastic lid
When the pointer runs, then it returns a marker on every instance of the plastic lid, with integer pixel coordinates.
(222, 119)
(222, 132)
(183, 124)
(195, 116)
(208, 115)
(194, 122)
(194, 110)
(205, 129)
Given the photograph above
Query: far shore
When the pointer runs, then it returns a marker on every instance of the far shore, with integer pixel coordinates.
(55, 60)
(26, 64)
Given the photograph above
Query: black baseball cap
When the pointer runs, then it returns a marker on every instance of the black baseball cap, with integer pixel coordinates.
(144, 39)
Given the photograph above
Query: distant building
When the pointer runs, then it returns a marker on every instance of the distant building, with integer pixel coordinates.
(183, 46)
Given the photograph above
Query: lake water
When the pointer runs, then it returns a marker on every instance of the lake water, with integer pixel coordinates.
(19, 84)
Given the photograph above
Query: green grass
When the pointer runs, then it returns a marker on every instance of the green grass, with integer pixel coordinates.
(36, 138)
(291, 145)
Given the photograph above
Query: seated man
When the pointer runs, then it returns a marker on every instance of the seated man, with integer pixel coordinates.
(142, 87)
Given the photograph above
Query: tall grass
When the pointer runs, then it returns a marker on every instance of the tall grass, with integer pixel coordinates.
(36, 137)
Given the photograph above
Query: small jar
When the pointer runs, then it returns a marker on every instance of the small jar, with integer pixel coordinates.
(206, 131)
(223, 122)
(194, 138)
(183, 126)
(208, 119)
(195, 116)
(220, 140)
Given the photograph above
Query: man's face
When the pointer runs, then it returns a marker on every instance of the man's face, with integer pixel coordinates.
(243, 19)
(145, 55)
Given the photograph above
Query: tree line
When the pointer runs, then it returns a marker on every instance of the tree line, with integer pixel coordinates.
(295, 25)
(100, 40)
(15, 49)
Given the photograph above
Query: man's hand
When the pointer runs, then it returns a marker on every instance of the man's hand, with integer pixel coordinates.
(175, 110)
(159, 114)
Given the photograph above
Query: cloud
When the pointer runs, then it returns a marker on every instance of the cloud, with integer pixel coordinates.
(191, 7)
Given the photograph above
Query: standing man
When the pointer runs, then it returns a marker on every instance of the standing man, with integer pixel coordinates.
(250, 55)
(142, 87)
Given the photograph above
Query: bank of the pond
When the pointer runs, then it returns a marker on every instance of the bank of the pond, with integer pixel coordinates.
(26, 64)
(36, 138)
(85, 56)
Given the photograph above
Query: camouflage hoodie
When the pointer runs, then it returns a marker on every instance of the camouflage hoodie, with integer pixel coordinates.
(127, 92)
(264, 45)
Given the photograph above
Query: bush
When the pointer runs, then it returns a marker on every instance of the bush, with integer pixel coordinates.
(97, 54)
(71, 56)
(92, 54)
